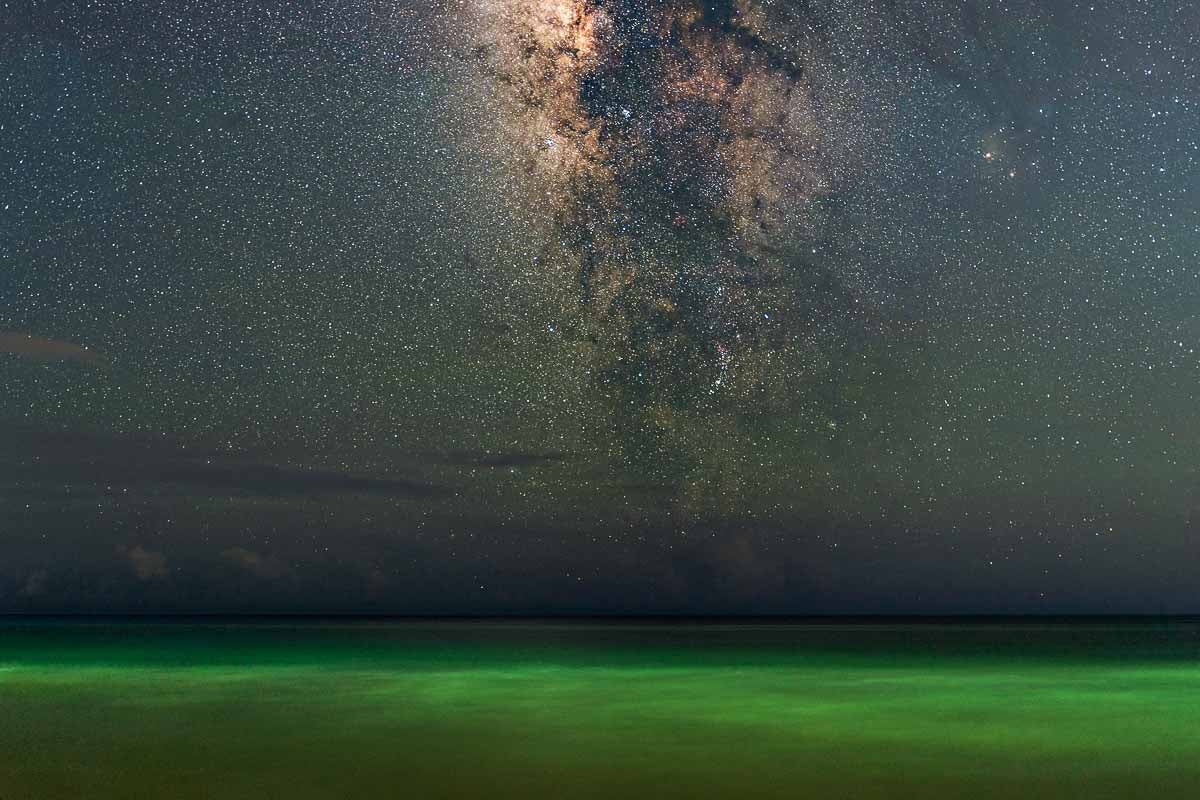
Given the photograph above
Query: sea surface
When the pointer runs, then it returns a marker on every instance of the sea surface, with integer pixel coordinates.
(587, 709)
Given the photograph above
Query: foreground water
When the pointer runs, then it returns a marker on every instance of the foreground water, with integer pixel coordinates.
(573, 710)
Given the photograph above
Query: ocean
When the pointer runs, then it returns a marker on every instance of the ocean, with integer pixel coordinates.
(306, 708)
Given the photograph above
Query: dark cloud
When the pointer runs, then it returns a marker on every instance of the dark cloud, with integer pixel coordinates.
(35, 459)
(271, 480)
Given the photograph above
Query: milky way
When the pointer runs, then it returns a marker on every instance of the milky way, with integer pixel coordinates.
(678, 155)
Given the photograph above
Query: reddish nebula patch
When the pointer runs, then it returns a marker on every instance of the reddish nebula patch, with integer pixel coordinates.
(37, 348)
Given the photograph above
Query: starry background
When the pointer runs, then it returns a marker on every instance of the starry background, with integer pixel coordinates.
(630, 306)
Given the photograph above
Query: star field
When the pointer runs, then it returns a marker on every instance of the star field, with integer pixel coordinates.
(599, 305)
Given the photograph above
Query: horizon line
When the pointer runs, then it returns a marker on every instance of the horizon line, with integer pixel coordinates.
(603, 617)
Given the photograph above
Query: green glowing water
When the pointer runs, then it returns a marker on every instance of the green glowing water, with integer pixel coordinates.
(426, 710)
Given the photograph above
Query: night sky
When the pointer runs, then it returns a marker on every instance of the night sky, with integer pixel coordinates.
(600, 306)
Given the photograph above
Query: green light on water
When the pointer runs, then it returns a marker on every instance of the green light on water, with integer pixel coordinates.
(468, 719)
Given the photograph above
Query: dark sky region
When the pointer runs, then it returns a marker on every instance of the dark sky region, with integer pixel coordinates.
(659, 306)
